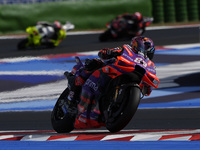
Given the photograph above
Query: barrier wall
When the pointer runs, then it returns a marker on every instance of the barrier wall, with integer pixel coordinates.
(175, 10)
(92, 14)
(84, 14)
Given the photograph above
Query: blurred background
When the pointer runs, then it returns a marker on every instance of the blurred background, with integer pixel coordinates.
(16, 15)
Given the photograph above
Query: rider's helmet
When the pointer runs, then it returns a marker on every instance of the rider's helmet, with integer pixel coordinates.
(143, 45)
(138, 15)
(57, 24)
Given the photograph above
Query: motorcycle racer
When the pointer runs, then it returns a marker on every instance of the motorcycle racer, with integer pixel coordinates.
(127, 25)
(79, 74)
(45, 35)
(106, 91)
(51, 33)
(128, 22)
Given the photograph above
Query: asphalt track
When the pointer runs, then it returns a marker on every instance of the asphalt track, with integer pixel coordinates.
(182, 118)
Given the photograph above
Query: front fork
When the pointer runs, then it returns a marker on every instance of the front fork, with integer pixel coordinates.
(118, 98)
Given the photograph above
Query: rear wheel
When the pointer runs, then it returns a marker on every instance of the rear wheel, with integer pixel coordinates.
(62, 121)
(107, 35)
(121, 112)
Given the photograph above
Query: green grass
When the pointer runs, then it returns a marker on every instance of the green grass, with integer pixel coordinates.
(90, 14)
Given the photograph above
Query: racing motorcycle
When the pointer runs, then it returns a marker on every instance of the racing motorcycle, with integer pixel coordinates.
(40, 37)
(107, 103)
(114, 31)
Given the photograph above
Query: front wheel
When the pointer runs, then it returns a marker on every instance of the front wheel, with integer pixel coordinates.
(120, 115)
(62, 121)
(22, 44)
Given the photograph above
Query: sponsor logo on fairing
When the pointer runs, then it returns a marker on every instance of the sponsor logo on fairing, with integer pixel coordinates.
(91, 84)
(127, 56)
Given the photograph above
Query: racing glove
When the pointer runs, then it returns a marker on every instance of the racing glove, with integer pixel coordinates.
(93, 64)
(107, 53)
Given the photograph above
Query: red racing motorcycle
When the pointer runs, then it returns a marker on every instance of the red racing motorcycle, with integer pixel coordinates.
(109, 97)
(118, 29)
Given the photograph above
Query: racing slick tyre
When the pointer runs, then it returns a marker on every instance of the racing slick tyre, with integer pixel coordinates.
(121, 114)
(61, 120)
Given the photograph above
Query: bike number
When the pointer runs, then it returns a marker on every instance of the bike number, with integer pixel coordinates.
(140, 61)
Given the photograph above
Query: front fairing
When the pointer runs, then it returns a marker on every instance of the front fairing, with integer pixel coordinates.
(34, 37)
(128, 60)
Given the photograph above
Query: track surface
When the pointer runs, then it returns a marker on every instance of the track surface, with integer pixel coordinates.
(184, 118)
(89, 42)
